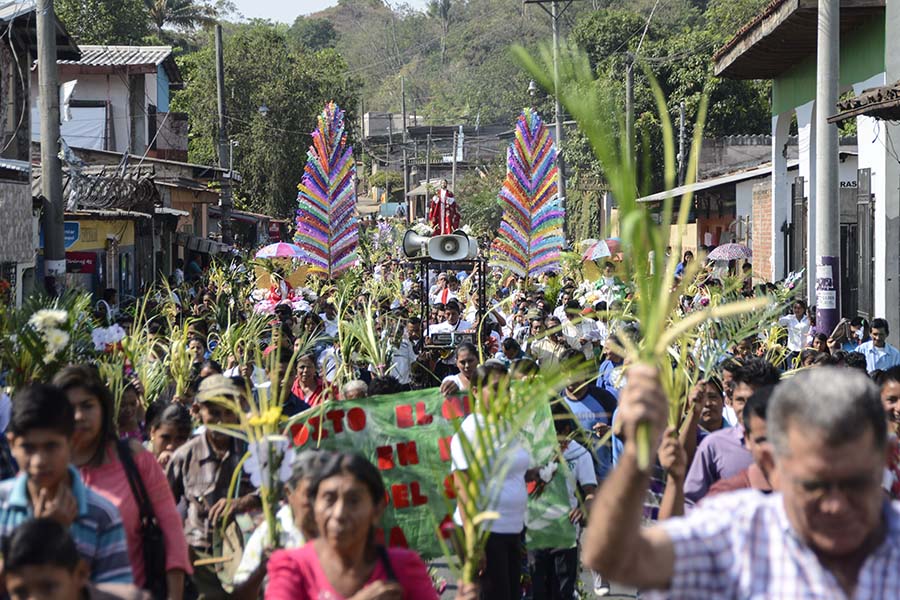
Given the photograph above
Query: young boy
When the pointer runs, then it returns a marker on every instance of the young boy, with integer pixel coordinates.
(40, 437)
(555, 571)
(40, 561)
(200, 472)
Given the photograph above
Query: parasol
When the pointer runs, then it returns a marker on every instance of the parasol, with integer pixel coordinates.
(730, 252)
(596, 251)
(280, 250)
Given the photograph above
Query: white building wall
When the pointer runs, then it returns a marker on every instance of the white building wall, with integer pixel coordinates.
(105, 88)
(806, 133)
(889, 281)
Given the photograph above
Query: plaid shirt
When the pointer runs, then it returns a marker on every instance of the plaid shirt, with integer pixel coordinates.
(741, 545)
(202, 478)
(97, 530)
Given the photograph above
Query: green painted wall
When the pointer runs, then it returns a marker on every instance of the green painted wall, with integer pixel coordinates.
(862, 57)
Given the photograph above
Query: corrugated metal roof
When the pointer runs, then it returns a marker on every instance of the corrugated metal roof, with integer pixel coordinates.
(116, 56)
(11, 10)
(706, 184)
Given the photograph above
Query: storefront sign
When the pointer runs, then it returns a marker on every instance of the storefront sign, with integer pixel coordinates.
(81, 262)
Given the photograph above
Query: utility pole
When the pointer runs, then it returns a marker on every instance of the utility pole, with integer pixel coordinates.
(828, 259)
(556, 13)
(453, 172)
(427, 170)
(225, 200)
(629, 108)
(681, 156)
(405, 158)
(51, 167)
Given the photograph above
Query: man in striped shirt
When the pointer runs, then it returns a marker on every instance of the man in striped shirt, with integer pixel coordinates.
(828, 531)
(40, 435)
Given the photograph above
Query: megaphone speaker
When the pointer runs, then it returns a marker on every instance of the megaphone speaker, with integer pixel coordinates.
(448, 248)
(414, 245)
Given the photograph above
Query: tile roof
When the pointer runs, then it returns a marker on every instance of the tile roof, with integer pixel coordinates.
(115, 56)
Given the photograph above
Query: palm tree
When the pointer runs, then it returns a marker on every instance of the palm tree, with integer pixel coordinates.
(180, 14)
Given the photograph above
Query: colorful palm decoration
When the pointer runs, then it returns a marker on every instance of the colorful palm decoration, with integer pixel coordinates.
(531, 234)
(326, 225)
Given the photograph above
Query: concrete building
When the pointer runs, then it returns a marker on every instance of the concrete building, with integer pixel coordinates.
(780, 45)
(116, 98)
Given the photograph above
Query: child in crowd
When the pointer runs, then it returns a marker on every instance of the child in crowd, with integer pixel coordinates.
(40, 436)
(40, 561)
(170, 429)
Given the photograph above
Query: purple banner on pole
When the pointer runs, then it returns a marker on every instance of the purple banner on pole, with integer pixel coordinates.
(828, 293)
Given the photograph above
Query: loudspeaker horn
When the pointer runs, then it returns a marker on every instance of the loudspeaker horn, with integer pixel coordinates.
(473, 244)
(448, 248)
(415, 245)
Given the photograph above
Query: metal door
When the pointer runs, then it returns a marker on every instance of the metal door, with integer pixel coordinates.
(798, 226)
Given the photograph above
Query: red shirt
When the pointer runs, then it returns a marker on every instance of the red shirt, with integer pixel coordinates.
(297, 575)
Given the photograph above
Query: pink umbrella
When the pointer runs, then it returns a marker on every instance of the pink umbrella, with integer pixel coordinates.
(730, 252)
(596, 251)
(280, 250)
(613, 245)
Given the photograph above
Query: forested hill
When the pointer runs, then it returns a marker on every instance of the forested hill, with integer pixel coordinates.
(456, 63)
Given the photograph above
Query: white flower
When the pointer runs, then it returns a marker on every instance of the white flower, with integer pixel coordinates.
(546, 472)
(107, 336)
(56, 340)
(257, 464)
(48, 318)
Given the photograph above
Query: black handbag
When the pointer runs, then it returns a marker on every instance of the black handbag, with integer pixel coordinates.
(152, 541)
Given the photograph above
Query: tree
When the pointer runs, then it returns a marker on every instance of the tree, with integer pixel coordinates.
(104, 21)
(261, 67)
(183, 15)
(313, 34)
(440, 9)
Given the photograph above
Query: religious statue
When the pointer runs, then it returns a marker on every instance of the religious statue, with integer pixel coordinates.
(444, 212)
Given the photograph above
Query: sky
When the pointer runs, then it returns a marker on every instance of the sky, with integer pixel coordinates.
(287, 10)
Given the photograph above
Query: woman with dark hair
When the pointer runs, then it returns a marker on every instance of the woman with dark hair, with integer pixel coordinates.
(308, 387)
(170, 429)
(466, 362)
(348, 499)
(102, 461)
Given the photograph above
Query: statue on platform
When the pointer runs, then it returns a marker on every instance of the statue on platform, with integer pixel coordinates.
(444, 212)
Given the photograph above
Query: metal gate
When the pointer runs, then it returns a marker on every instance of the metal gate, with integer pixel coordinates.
(865, 224)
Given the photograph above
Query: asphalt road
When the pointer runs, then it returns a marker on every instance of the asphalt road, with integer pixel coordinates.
(587, 593)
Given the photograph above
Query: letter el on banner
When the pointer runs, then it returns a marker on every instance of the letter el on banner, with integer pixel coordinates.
(407, 436)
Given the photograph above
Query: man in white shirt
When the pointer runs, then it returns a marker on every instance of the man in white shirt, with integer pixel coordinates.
(797, 326)
(452, 322)
(404, 355)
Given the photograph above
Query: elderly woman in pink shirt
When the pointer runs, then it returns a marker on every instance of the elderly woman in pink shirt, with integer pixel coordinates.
(96, 452)
(348, 499)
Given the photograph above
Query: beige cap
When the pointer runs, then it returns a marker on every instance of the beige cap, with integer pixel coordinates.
(216, 386)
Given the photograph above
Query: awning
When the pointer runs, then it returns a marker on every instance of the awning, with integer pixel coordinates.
(706, 184)
(172, 212)
(879, 102)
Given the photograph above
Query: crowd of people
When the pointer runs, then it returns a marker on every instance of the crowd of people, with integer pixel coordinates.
(774, 483)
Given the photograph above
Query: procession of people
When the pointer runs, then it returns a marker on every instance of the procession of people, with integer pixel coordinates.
(127, 474)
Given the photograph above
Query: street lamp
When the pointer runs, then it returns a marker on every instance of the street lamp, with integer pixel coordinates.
(263, 109)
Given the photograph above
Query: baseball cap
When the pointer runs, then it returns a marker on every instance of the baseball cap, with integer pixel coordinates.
(216, 386)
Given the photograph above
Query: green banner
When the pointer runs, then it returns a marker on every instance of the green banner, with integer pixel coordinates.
(408, 437)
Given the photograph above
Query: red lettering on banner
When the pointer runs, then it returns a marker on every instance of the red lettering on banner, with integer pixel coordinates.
(404, 416)
(444, 447)
(397, 538)
(401, 495)
(455, 407)
(337, 420)
(449, 488)
(385, 456)
(407, 454)
(356, 419)
(422, 417)
(310, 431)
(418, 499)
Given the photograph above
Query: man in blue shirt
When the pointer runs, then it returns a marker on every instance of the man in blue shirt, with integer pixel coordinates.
(879, 354)
(610, 374)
